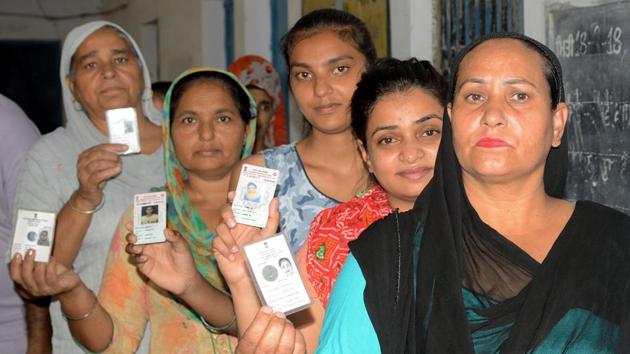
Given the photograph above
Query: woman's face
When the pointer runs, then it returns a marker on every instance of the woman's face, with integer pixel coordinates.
(503, 124)
(402, 138)
(106, 74)
(324, 71)
(264, 110)
(207, 130)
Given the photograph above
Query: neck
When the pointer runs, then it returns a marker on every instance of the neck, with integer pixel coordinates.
(207, 189)
(508, 207)
(338, 144)
(401, 205)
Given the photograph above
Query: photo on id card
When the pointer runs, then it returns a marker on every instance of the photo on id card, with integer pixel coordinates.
(275, 273)
(34, 230)
(255, 190)
(149, 217)
(122, 124)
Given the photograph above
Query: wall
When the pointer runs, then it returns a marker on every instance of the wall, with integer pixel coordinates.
(35, 27)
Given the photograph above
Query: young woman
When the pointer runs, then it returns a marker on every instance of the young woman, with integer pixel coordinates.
(208, 126)
(491, 259)
(326, 52)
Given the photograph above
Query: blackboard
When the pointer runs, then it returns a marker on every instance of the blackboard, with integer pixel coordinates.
(592, 44)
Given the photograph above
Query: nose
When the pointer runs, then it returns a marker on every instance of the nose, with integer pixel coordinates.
(410, 151)
(493, 114)
(108, 70)
(321, 87)
(206, 131)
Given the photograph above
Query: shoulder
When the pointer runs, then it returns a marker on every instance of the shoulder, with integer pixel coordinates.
(278, 155)
(604, 229)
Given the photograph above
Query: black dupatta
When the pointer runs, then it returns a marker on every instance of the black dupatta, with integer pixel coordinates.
(417, 263)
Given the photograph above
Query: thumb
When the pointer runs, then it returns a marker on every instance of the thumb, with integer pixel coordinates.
(175, 239)
(273, 220)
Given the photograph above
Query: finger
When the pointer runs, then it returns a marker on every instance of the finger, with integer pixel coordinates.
(224, 233)
(273, 220)
(15, 269)
(131, 238)
(220, 248)
(286, 344)
(129, 226)
(176, 240)
(254, 333)
(27, 273)
(230, 196)
(300, 343)
(39, 275)
(115, 148)
(271, 337)
(134, 250)
(228, 216)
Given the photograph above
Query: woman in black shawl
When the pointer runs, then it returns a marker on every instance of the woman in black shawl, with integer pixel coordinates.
(491, 259)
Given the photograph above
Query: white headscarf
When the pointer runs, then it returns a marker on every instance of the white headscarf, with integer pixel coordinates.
(76, 120)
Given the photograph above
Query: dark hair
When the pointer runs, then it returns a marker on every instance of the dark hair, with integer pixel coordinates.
(120, 34)
(347, 26)
(551, 66)
(240, 97)
(391, 75)
(160, 88)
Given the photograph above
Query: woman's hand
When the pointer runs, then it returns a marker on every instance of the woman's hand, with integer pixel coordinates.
(231, 237)
(168, 264)
(271, 333)
(95, 167)
(40, 279)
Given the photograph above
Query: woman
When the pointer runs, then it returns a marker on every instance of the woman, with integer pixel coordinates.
(209, 123)
(326, 51)
(491, 259)
(263, 82)
(75, 172)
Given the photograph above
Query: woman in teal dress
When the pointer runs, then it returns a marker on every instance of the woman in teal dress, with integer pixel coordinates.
(491, 259)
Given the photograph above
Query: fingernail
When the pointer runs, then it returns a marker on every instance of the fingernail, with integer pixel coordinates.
(266, 309)
(234, 249)
(30, 252)
(231, 223)
(280, 315)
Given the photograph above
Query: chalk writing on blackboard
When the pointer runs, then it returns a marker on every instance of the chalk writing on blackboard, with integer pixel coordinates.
(592, 47)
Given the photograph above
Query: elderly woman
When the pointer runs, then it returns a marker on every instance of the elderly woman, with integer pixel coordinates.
(75, 172)
(491, 259)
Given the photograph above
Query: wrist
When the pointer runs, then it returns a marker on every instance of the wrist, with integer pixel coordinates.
(194, 286)
(87, 200)
(74, 294)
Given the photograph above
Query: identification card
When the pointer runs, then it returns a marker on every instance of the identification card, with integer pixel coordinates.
(123, 128)
(149, 217)
(255, 190)
(34, 230)
(276, 276)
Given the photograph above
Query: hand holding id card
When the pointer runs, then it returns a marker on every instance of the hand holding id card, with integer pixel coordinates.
(278, 281)
(34, 230)
(255, 190)
(149, 217)
(123, 128)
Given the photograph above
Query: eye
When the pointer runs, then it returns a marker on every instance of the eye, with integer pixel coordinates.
(121, 60)
(431, 132)
(265, 107)
(474, 98)
(302, 75)
(520, 96)
(386, 140)
(188, 120)
(90, 65)
(224, 119)
(341, 69)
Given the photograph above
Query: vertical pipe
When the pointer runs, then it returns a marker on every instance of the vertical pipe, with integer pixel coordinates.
(488, 16)
(228, 11)
(458, 24)
(477, 10)
(448, 30)
(509, 15)
(497, 14)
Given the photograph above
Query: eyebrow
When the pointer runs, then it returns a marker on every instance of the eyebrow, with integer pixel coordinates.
(418, 121)
(514, 81)
(331, 61)
(95, 52)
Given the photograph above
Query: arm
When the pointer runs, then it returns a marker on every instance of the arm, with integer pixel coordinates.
(95, 166)
(38, 326)
(346, 323)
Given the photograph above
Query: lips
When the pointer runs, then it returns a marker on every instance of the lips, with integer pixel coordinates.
(327, 108)
(209, 152)
(415, 174)
(491, 142)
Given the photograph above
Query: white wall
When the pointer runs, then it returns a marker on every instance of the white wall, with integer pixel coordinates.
(40, 28)
(252, 30)
(411, 28)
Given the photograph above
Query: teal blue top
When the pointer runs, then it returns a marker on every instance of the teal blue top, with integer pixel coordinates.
(347, 326)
